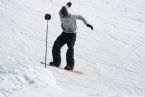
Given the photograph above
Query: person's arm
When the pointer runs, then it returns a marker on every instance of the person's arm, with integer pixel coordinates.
(79, 17)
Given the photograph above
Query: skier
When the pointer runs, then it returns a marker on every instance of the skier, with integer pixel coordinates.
(68, 36)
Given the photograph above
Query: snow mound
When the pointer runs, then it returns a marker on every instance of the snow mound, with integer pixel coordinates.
(16, 77)
(27, 81)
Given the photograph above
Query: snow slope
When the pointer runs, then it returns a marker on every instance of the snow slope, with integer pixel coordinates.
(112, 56)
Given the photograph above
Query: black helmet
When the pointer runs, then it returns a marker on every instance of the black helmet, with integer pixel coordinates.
(64, 11)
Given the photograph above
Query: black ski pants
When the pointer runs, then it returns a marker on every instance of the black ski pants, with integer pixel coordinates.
(64, 38)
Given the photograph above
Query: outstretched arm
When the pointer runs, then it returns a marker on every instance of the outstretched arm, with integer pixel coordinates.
(79, 17)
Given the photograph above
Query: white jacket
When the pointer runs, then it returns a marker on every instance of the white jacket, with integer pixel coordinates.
(68, 23)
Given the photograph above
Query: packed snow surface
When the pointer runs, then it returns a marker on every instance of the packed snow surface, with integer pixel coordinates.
(111, 57)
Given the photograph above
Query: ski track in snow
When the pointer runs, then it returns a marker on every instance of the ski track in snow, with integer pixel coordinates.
(111, 56)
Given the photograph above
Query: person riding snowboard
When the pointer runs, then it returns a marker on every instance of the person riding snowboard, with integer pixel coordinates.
(68, 36)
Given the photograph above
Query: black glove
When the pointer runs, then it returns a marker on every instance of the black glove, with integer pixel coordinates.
(88, 25)
(69, 4)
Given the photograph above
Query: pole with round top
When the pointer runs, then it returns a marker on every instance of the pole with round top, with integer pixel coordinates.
(47, 17)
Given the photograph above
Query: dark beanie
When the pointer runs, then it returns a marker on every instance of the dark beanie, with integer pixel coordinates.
(64, 11)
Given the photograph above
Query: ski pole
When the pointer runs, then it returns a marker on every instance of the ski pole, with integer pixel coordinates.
(47, 17)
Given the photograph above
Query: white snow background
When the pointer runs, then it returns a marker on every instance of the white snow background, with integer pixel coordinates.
(111, 57)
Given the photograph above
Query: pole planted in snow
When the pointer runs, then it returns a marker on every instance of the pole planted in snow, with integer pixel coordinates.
(47, 17)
